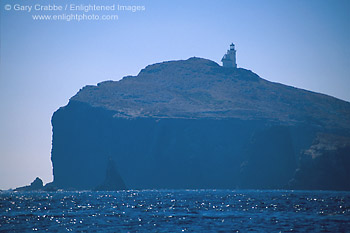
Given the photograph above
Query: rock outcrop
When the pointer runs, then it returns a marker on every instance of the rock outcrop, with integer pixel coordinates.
(325, 165)
(195, 124)
(36, 185)
(113, 181)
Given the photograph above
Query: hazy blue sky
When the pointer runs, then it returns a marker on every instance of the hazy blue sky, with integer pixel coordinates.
(300, 43)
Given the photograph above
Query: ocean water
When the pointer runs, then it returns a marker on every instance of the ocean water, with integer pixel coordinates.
(176, 211)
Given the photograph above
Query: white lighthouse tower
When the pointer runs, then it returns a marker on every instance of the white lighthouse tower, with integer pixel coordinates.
(229, 59)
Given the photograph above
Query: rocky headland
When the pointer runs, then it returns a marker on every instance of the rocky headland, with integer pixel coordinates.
(194, 124)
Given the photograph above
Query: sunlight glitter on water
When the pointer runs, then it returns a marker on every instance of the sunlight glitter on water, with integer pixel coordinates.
(176, 211)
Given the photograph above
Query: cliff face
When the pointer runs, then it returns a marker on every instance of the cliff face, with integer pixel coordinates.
(195, 124)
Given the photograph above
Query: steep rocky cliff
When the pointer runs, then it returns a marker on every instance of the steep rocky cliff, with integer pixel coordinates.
(195, 124)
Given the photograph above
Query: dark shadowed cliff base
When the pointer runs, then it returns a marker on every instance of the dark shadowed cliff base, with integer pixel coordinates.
(194, 124)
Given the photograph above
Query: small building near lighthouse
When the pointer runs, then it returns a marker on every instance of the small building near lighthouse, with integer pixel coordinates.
(229, 59)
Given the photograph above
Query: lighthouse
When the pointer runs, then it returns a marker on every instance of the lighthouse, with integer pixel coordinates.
(229, 59)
